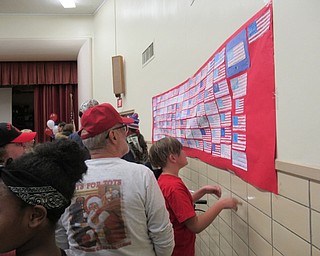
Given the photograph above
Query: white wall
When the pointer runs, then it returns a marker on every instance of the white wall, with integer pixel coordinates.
(297, 80)
(186, 35)
(184, 38)
(44, 27)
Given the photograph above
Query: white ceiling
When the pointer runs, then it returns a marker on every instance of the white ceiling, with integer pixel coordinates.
(43, 50)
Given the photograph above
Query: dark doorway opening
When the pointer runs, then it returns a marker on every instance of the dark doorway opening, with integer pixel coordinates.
(23, 107)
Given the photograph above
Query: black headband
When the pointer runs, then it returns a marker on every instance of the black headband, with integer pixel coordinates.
(32, 190)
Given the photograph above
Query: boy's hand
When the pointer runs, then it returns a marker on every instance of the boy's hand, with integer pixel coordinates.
(231, 203)
(213, 190)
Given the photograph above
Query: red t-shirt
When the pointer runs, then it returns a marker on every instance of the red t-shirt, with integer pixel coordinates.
(180, 207)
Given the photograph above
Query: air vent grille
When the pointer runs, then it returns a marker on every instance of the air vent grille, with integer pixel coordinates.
(148, 54)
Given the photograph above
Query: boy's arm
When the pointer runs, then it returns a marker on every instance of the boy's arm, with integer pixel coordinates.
(208, 189)
(199, 222)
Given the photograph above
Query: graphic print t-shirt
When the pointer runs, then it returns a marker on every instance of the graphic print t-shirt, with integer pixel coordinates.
(96, 216)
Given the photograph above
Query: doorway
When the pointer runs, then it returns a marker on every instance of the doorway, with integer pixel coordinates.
(23, 107)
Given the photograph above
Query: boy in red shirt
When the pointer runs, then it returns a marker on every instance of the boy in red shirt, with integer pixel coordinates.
(168, 154)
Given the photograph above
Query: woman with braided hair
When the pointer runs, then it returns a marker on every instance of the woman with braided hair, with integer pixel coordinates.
(35, 189)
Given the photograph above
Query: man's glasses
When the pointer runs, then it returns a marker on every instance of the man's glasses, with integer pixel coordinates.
(124, 127)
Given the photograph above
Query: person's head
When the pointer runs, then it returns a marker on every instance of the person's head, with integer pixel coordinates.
(67, 129)
(164, 149)
(86, 105)
(12, 142)
(60, 126)
(101, 126)
(35, 189)
(30, 144)
(134, 127)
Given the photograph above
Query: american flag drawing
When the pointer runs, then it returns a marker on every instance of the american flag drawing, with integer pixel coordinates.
(257, 28)
(200, 109)
(208, 94)
(216, 135)
(184, 142)
(239, 123)
(239, 86)
(239, 159)
(207, 146)
(226, 151)
(188, 134)
(204, 72)
(226, 135)
(196, 133)
(206, 134)
(214, 121)
(219, 58)
(200, 97)
(197, 78)
(221, 89)
(195, 144)
(210, 65)
(210, 108)
(239, 106)
(209, 79)
(185, 104)
(202, 121)
(225, 119)
(192, 92)
(199, 144)
(224, 103)
(183, 123)
(191, 82)
(236, 54)
(239, 141)
(202, 84)
(179, 133)
(193, 111)
(216, 149)
(219, 73)
(191, 143)
(192, 123)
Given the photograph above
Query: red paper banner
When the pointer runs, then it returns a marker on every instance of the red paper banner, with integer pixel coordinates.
(225, 113)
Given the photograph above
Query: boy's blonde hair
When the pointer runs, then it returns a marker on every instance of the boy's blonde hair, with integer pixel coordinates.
(162, 149)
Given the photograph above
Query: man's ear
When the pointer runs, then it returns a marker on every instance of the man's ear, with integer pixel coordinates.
(37, 216)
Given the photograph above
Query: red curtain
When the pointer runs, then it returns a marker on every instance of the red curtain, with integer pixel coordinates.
(53, 84)
(54, 99)
(38, 73)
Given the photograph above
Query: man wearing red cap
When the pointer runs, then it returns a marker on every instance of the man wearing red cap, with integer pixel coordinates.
(122, 210)
(12, 142)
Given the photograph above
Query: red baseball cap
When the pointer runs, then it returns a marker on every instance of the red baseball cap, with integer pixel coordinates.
(10, 134)
(100, 118)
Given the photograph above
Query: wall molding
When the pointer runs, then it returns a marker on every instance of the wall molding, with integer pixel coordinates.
(298, 170)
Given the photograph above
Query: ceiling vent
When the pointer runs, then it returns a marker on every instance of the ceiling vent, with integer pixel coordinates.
(147, 55)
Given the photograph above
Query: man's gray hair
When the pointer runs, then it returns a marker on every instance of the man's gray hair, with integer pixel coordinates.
(96, 142)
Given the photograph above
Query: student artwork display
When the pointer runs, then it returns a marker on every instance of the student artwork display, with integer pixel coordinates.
(225, 113)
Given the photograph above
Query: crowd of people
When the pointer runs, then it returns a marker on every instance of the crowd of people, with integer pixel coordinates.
(98, 191)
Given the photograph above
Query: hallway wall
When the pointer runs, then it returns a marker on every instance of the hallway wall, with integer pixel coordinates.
(265, 224)
(185, 34)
